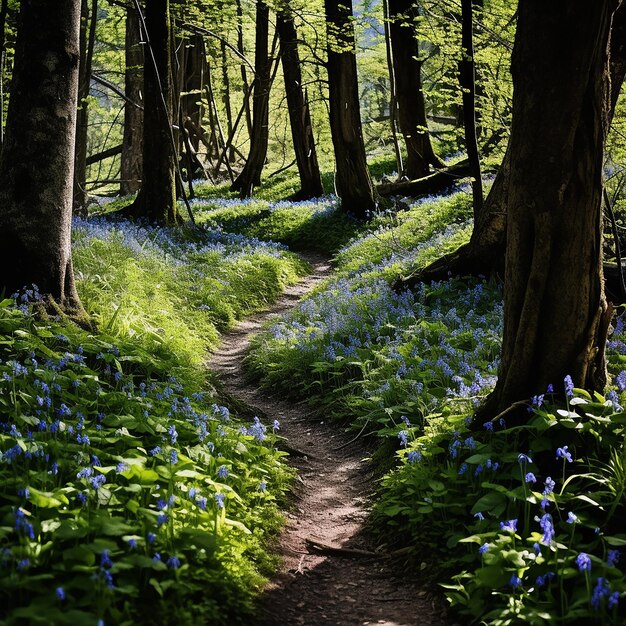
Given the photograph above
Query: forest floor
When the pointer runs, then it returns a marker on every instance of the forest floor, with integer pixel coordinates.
(331, 570)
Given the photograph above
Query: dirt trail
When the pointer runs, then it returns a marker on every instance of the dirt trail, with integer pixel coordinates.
(331, 507)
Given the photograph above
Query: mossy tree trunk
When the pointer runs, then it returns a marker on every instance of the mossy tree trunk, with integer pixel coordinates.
(37, 161)
(156, 200)
(353, 183)
(555, 313)
(299, 114)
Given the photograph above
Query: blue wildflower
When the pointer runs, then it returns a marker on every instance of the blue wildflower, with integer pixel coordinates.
(523, 458)
(276, 426)
(219, 499)
(613, 600)
(414, 456)
(105, 559)
(132, 543)
(222, 472)
(569, 386)
(613, 557)
(562, 453)
(402, 436)
(571, 518)
(60, 593)
(601, 590)
(173, 457)
(583, 562)
(483, 549)
(530, 478)
(515, 581)
(548, 529)
(464, 467)
(173, 562)
(488, 426)
(479, 516)
(510, 526)
(263, 487)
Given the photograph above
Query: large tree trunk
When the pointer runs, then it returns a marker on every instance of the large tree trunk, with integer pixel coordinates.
(555, 313)
(484, 254)
(88, 21)
(299, 114)
(156, 200)
(36, 166)
(409, 91)
(132, 144)
(251, 174)
(353, 183)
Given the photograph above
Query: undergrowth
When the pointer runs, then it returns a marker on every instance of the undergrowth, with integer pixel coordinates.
(129, 494)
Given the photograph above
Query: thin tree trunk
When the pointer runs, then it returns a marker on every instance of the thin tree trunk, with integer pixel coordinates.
(87, 42)
(3, 53)
(555, 314)
(393, 100)
(37, 161)
(409, 90)
(299, 114)
(226, 97)
(468, 85)
(132, 144)
(251, 174)
(156, 200)
(244, 72)
(220, 138)
(352, 180)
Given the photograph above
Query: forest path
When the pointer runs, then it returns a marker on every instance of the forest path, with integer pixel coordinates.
(331, 506)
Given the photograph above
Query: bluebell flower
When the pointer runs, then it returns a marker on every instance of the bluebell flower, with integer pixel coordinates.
(60, 593)
(105, 559)
(23, 564)
(219, 499)
(151, 538)
(550, 388)
(192, 493)
(483, 549)
(414, 456)
(562, 453)
(569, 386)
(173, 434)
(157, 557)
(155, 450)
(173, 457)
(548, 529)
(523, 458)
(515, 581)
(583, 562)
(98, 481)
(276, 426)
(173, 562)
(537, 548)
(202, 502)
(262, 487)
(222, 472)
(613, 558)
(132, 543)
(161, 519)
(549, 486)
(402, 436)
(510, 526)
(464, 467)
(601, 590)
(478, 470)
(479, 516)
(530, 478)
(24, 493)
(613, 600)
(571, 518)
(488, 426)
(545, 579)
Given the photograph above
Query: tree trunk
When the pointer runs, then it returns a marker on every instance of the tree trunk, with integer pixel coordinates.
(244, 72)
(468, 86)
(226, 98)
(299, 114)
(409, 91)
(132, 144)
(352, 179)
(88, 21)
(156, 200)
(484, 254)
(251, 174)
(36, 166)
(555, 313)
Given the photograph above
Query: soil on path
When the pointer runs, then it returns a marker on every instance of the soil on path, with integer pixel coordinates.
(331, 507)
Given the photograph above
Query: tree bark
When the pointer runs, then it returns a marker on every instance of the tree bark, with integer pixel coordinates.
(244, 72)
(36, 165)
(409, 90)
(299, 114)
(484, 253)
(555, 313)
(433, 183)
(467, 79)
(353, 183)
(156, 200)
(132, 143)
(88, 21)
(251, 174)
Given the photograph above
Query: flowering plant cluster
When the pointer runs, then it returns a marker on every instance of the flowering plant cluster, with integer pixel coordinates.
(127, 495)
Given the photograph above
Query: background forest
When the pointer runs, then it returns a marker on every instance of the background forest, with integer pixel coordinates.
(169, 168)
